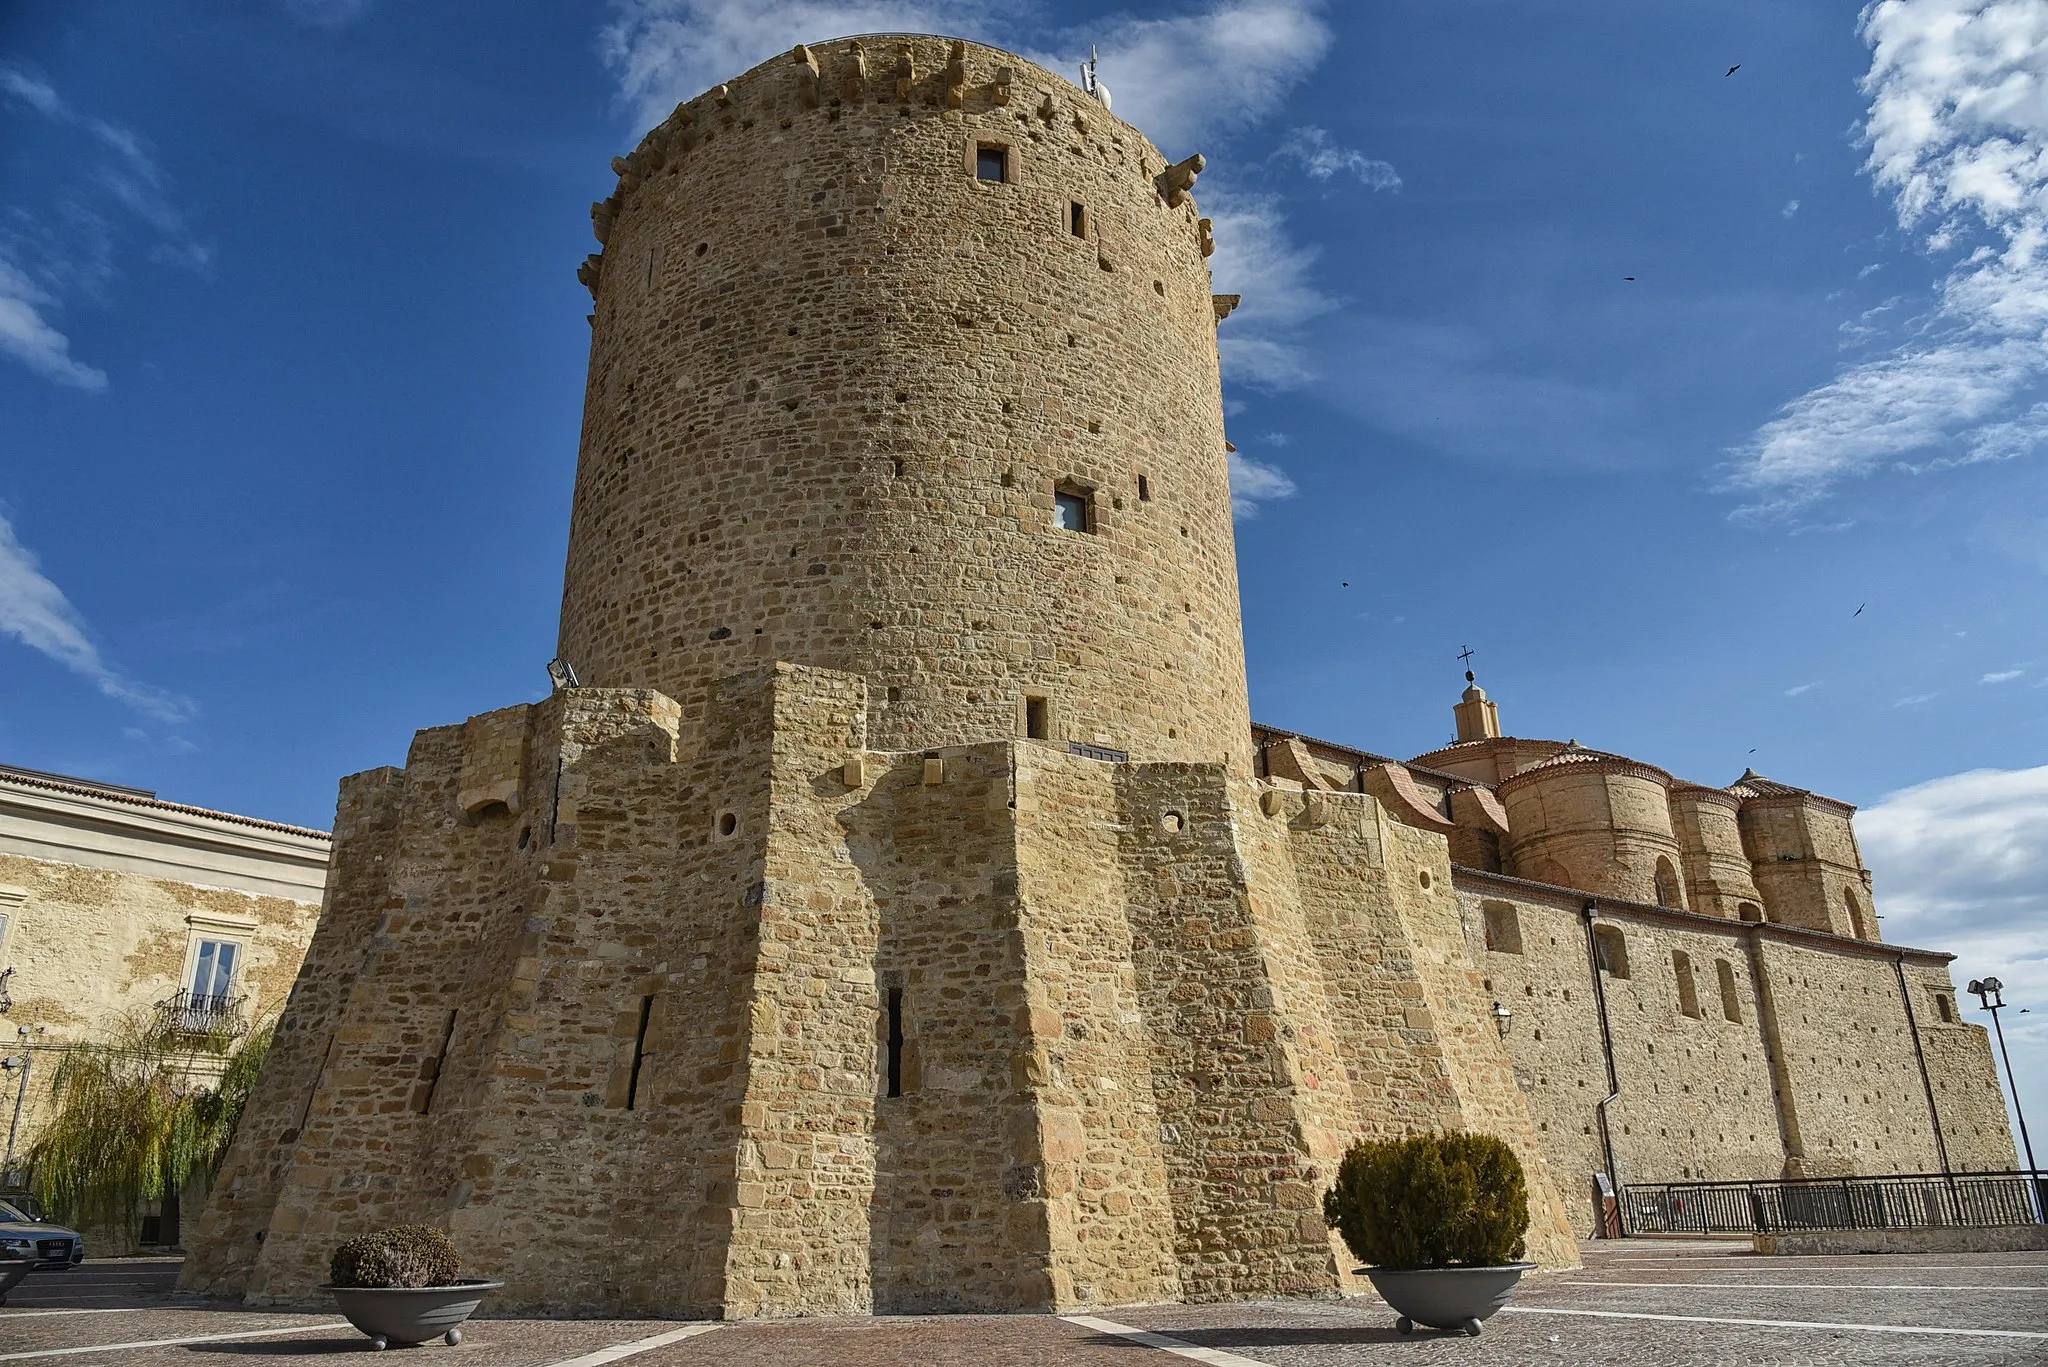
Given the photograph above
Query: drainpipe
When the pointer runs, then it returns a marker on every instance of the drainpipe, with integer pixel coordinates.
(1920, 1056)
(1607, 1050)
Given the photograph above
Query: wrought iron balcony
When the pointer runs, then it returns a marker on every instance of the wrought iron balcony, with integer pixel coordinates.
(191, 1013)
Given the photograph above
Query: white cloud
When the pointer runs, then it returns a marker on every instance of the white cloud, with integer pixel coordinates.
(1791, 208)
(37, 94)
(1254, 482)
(1177, 78)
(1257, 258)
(1321, 159)
(1958, 132)
(35, 612)
(1916, 699)
(2002, 676)
(1962, 865)
(28, 337)
(1797, 689)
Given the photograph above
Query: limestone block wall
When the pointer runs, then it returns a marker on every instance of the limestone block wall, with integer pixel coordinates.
(836, 380)
(1803, 852)
(1787, 1055)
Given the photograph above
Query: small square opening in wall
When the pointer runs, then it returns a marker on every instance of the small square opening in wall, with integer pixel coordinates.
(1077, 218)
(992, 163)
(1037, 719)
(1073, 508)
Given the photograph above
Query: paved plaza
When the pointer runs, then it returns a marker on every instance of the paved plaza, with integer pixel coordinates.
(1667, 1303)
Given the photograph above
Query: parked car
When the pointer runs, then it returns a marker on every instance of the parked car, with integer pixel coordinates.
(51, 1246)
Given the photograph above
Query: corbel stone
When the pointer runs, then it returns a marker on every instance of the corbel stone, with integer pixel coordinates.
(934, 769)
(590, 272)
(723, 95)
(1047, 110)
(601, 215)
(1205, 234)
(806, 75)
(853, 773)
(906, 73)
(856, 73)
(1000, 92)
(956, 75)
(1225, 304)
(1179, 179)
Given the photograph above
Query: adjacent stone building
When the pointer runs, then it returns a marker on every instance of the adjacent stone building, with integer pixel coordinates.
(116, 904)
(894, 907)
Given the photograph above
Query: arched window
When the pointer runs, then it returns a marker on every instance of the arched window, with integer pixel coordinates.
(1670, 892)
(1731, 1000)
(1688, 990)
(1855, 915)
(1612, 948)
(1749, 911)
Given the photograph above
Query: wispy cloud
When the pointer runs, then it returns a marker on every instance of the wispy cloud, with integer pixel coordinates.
(1798, 689)
(1253, 482)
(1962, 865)
(2002, 676)
(1791, 208)
(1257, 258)
(1958, 132)
(1319, 158)
(71, 248)
(1916, 699)
(34, 611)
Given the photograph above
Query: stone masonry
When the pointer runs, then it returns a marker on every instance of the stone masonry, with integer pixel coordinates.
(892, 915)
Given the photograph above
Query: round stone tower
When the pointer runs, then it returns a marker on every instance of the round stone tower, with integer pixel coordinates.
(904, 364)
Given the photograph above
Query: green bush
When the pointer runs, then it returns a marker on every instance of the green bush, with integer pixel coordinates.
(402, 1256)
(1431, 1200)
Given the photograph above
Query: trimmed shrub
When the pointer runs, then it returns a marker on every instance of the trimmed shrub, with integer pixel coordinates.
(1431, 1200)
(402, 1256)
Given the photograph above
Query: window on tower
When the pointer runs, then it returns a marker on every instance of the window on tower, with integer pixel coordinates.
(1072, 509)
(992, 163)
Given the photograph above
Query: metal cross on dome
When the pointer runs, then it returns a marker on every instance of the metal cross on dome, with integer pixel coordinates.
(1466, 656)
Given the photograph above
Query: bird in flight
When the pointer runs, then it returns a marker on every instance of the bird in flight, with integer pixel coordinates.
(1859, 611)
(1628, 277)
(1731, 71)
(1347, 583)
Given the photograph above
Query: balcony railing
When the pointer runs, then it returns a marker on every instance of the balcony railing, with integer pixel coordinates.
(1904, 1201)
(191, 1013)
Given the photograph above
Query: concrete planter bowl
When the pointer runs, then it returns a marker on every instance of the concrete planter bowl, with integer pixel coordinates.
(1454, 1298)
(407, 1316)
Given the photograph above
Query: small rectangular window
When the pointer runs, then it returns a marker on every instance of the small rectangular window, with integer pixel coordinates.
(1077, 218)
(992, 163)
(213, 972)
(1731, 1000)
(1144, 489)
(1037, 719)
(1070, 512)
(1942, 1006)
(1688, 989)
(1611, 947)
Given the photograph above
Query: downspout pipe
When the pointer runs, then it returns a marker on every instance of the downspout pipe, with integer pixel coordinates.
(1920, 1057)
(1587, 912)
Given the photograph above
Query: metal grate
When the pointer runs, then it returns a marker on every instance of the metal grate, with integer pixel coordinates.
(191, 1013)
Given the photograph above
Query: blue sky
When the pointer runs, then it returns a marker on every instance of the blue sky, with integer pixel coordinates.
(291, 358)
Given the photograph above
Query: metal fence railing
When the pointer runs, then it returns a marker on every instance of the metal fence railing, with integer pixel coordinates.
(198, 1013)
(1903, 1201)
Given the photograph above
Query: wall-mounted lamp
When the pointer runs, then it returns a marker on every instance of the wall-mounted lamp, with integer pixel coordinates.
(1503, 1018)
(561, 674)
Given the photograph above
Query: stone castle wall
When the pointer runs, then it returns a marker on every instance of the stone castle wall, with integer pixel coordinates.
(627, 1031)
(835, 380)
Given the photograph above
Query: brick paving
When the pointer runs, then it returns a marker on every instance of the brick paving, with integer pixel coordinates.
(1960, 1301)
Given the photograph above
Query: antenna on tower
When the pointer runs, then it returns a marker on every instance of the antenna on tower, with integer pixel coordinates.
(1092, 83)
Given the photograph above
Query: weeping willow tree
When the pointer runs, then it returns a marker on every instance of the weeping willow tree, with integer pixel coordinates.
(138, 1116)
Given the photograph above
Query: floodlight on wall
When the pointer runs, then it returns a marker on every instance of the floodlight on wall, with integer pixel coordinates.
(1990, 992)
(562, 674)
(1503, 1018)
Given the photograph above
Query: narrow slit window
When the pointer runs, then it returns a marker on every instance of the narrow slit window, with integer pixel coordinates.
(1941, 1005)
(895, 1049)
(1688, 988)
(1077, 218)
(1731, 1000)
(992, 163)
(1144, 489)
(1037, 719)
(639, 1053)
(431, 1069)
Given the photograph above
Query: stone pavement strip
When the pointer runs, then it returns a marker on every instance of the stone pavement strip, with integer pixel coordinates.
(1670, 1303)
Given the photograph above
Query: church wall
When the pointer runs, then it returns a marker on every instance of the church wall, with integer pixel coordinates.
(1696, 1096)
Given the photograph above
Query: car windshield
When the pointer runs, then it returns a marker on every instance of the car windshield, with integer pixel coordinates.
(8, 1212)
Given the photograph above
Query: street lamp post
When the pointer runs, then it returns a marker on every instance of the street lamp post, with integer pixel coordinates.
(1991, 993)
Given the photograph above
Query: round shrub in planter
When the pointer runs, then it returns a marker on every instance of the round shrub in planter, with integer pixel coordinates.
(1440, 1218)
(400, 1285)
